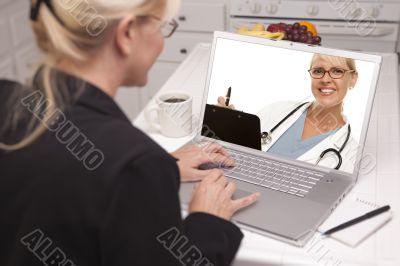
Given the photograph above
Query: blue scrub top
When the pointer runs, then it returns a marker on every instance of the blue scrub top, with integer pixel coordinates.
(290, 144)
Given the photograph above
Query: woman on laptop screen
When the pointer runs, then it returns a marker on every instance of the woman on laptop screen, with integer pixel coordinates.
(314, 131)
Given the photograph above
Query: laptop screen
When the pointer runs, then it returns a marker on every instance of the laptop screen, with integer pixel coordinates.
(311, 106)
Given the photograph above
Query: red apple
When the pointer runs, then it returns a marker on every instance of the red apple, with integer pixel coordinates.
(281, 27)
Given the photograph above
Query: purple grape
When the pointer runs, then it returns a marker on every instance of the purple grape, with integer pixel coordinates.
(296, 25)
(316, 40)
(290, 37)
(309, 34)
(303, 38)
(294, 31)
(296, 37)
(303, 28)
(309, 40)
(289, 28)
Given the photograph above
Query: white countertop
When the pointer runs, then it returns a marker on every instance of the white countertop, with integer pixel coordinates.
(381, 185)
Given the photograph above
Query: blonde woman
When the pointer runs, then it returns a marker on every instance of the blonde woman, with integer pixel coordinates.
(79, 184)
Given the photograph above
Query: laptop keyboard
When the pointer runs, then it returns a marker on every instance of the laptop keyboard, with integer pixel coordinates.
(271, 174)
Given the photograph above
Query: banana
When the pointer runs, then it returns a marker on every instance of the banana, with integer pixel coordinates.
(264, 34)
(258, 27)
(243, 28)
(281, 36)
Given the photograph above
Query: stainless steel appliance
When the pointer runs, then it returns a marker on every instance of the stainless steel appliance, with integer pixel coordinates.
(348, 24)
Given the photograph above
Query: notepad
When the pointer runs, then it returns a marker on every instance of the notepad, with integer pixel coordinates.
(350, 208)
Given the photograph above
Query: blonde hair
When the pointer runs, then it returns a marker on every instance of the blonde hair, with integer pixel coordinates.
(336, 60)
(74, 31)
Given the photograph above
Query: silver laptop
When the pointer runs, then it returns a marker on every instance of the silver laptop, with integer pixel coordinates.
(302, 175)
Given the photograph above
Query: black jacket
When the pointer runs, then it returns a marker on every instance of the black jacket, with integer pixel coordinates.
(97, 191)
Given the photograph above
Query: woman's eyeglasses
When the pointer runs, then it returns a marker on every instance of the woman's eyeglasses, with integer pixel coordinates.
(335, 73)
(167, 28)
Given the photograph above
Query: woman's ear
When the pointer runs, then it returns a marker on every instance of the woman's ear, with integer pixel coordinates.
(125, 35)
(354, 78)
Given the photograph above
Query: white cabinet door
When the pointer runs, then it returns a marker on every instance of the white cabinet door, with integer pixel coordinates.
(202, 17)
(7, 69)
(6, 41)
(128, 99)
(158, 75)
(181, 44)
(27, 61)
(20, 26)
(18, 52)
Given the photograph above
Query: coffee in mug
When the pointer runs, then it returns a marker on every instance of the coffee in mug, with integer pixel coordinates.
(174, 100)
(173, 114)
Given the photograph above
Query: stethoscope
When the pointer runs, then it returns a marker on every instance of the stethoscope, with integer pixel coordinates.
(266, 138)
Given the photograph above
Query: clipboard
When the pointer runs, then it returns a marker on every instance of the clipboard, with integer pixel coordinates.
(232, 126)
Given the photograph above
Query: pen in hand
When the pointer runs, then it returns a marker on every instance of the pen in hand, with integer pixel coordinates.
(228, 96)
(357, 220)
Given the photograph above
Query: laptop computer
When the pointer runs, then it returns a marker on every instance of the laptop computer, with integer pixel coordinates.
(276, 81)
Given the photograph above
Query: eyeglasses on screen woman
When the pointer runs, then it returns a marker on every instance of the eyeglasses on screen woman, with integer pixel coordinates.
(335, 73)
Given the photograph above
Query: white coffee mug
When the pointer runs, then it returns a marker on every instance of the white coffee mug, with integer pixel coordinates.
(174, 114)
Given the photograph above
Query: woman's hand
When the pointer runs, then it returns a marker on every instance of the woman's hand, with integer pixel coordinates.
(192, 156)
(221, 103)
(214, 196)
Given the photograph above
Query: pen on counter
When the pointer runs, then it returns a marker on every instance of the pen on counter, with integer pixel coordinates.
(228, 96)
(357, 220)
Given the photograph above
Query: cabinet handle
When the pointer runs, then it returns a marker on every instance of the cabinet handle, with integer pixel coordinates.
(183, 51)
(182, 18)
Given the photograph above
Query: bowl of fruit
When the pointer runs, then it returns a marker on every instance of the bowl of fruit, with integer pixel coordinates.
(303, 31)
